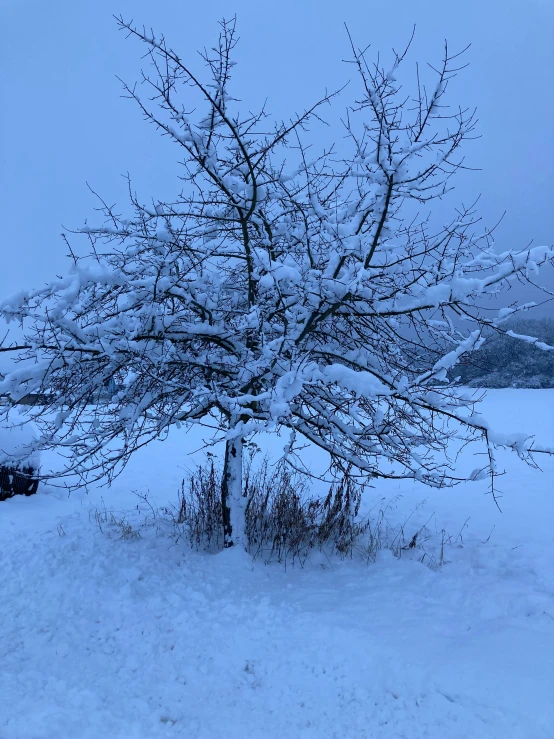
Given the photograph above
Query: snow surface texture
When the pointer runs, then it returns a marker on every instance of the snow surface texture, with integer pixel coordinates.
(126, 637)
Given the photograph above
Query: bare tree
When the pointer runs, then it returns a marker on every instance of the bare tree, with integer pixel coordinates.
(266, 298)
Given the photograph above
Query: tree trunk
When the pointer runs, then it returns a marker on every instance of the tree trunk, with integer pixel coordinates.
(232, 498)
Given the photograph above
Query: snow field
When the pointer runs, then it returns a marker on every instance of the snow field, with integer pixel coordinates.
(128, 637)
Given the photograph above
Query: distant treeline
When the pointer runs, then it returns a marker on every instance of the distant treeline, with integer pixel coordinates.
(504, 361)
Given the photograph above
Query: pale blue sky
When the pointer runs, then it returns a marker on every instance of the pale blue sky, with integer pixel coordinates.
(64, 123)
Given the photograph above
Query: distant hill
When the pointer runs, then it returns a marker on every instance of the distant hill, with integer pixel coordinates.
(504, 361)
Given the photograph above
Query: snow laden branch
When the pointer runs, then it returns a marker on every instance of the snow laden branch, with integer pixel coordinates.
(276, 291)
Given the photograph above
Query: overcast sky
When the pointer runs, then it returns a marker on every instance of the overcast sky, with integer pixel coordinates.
(64, 123)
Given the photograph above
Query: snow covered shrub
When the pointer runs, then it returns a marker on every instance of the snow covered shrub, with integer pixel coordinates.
(17, 481)
(283, 521)
(19, 461)
(200, 511)
(280, 289)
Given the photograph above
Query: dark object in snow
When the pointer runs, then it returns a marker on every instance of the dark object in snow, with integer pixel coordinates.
(14, 481)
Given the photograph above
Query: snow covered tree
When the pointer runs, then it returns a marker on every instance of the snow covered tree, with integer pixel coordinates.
(305, 295)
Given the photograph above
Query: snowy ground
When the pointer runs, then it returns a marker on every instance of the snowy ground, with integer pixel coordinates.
(139, 637)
